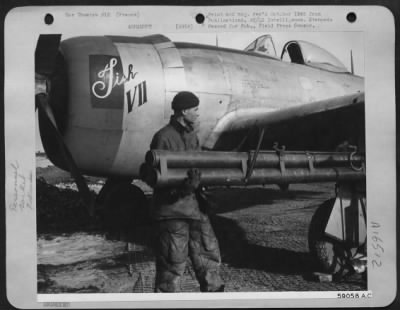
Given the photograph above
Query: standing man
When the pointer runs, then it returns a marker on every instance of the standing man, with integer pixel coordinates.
(183, 229)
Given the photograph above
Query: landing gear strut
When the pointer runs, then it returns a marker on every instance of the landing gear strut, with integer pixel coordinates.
(337, 233)
(123, 208)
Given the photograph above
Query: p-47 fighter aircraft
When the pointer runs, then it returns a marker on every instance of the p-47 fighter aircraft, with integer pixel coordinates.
(101, 99)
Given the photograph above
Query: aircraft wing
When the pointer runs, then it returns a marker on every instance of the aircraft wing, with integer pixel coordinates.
(320, 125)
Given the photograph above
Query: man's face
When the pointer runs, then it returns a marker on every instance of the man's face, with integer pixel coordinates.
(191, 115)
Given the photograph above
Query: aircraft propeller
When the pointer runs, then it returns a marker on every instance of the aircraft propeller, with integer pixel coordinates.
(45, 59)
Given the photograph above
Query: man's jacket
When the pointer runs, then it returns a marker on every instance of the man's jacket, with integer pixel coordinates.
(174, 202)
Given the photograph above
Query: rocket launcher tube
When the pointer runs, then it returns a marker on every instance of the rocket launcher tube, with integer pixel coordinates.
(229, 168)
(266, 159)
(232, 176)
(196, 159)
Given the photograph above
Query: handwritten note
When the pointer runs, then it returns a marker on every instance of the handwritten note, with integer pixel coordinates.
(377, 245)
(21, 189)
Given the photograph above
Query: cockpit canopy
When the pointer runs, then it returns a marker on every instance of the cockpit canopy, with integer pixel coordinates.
(300, 52)
(306, 53)
(263, 45)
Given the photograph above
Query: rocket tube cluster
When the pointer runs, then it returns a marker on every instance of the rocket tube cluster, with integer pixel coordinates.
(166, 168)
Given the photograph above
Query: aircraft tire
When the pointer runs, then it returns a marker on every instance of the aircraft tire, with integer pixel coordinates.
(124, 209)
(331, 256)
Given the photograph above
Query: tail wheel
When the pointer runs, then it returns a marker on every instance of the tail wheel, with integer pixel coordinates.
(332, 256)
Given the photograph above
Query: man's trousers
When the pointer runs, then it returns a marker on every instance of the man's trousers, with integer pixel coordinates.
(180, 238)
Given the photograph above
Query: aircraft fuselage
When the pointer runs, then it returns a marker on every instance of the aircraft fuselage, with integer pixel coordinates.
(111, 94)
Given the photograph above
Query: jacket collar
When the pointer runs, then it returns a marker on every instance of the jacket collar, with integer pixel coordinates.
(179, 126)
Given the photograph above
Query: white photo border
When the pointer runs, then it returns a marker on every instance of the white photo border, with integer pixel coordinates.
(23, 26)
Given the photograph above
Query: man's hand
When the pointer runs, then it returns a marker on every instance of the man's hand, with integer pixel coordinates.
(194, 176)
(192, 182)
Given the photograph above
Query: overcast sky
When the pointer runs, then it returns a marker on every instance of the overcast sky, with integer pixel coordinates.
(338, 43)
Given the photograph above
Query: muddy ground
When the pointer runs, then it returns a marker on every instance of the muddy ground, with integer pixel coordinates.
(262, 233)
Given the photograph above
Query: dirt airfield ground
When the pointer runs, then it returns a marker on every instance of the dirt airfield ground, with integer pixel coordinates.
(262, 233)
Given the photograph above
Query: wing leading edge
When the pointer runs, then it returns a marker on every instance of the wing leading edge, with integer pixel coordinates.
(320, 125)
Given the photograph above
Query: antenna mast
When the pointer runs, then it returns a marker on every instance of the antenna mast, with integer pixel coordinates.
(351, 62)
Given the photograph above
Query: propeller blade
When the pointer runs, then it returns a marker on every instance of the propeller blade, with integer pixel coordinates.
(87, 196)
(46, 53)
(45, 59)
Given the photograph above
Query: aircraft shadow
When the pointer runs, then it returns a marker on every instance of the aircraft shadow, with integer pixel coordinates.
(237, 251)
(228, 200)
